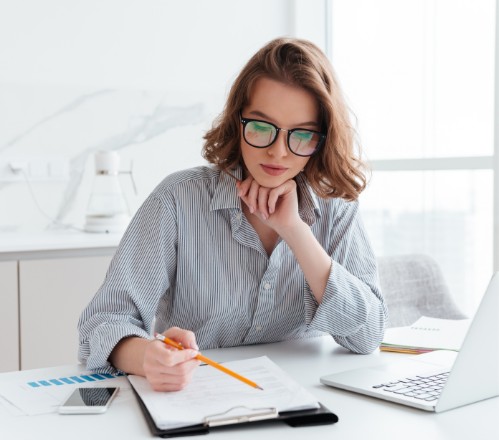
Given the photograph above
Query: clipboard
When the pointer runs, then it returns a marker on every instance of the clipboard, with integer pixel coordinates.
(308, 417)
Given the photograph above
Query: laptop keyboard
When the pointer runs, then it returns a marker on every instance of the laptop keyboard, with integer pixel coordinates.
(420, 387)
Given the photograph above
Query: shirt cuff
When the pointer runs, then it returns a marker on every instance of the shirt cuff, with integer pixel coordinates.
(345, 304)
(104, 339)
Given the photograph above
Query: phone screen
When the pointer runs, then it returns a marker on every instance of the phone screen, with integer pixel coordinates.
(88, 400)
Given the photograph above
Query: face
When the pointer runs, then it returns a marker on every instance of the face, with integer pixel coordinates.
(287, 107)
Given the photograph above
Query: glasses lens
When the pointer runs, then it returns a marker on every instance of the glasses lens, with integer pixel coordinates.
(304, 142)
(259, 134)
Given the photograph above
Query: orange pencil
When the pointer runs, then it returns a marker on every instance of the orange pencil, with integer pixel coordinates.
(208, 361)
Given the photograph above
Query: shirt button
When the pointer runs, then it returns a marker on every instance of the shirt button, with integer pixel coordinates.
(238, 216)
(267, 286)
(258, 328)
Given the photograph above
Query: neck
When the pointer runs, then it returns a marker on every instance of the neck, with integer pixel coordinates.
(267, 235)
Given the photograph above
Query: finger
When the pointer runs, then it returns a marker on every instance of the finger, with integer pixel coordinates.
(172, 378)
(244, 186)
(185, 337)
(263, 197)
(162, 365)
(162, 357)
(171, 382)
(252, 196)
(273, 199)
(280, 191)
(177, 357)
(180, 366)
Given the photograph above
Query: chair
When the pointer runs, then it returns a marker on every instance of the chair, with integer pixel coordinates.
(413, 286)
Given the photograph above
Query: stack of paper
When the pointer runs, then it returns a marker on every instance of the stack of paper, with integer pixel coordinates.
(213, 394)
(426, 334)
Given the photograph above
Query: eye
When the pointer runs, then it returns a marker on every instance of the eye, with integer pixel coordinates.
(261, 127)
(303, 135)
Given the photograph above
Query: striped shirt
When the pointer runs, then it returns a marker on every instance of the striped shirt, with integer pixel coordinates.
(191, 259)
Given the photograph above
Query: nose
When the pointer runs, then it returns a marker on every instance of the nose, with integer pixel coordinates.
(279, 148)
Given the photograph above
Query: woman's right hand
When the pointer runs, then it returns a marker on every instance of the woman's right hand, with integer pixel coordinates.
(169, 369)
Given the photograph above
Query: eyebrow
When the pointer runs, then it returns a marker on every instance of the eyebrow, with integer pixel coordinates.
(265, 116)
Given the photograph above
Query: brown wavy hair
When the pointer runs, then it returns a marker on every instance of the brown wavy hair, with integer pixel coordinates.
(336, 170)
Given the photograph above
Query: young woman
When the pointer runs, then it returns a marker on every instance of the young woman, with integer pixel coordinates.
(266, 244)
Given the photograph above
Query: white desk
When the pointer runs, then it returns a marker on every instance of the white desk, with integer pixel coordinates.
(305, 360)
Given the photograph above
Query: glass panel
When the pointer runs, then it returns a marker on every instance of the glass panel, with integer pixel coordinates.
(444, 214)
(418, 74)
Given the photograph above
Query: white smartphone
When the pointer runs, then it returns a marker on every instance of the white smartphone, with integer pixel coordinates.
(91, 400)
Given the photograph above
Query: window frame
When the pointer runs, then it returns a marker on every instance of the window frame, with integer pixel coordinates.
(489, 162)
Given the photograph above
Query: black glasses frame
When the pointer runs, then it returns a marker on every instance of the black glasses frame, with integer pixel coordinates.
(245, 121)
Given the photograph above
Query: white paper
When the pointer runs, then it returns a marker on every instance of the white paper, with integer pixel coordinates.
(430, 333)
(212, 393)
(21, 399)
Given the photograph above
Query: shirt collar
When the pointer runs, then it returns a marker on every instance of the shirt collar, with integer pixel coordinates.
(225, 195)
(308, 204)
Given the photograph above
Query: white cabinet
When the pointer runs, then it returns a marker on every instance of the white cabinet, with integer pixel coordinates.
(52, 295)
(9, 317)
(46, 279)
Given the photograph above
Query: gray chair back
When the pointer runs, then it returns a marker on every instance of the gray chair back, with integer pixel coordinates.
(413, 286)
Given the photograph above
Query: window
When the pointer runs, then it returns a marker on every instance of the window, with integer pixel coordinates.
(419, 78)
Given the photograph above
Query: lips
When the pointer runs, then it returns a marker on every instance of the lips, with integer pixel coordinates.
(273, 170)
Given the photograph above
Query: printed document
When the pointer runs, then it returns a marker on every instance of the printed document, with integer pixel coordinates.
(38, 394)
(212, 394)
(426, 334)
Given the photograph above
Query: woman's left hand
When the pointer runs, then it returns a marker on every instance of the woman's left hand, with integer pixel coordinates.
(277, 207)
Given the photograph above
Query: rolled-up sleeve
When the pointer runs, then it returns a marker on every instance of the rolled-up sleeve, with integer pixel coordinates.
(139, 274)
(352, 309)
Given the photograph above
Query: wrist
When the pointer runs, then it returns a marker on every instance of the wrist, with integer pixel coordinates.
(129, 354)
(294, 232)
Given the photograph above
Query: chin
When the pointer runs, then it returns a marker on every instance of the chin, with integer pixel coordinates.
(269, 181)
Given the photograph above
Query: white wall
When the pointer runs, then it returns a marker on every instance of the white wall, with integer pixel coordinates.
(144, 77)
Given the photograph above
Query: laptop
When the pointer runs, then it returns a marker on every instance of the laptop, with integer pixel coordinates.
(440, 380)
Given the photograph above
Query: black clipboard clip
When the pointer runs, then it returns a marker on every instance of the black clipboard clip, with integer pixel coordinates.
(240, 414)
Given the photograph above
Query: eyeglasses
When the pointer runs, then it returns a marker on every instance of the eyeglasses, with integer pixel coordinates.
(262, 134)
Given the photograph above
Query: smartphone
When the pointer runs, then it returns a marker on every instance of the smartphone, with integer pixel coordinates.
(91, 400)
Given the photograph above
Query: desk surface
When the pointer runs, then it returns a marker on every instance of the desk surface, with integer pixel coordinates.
(305, 360)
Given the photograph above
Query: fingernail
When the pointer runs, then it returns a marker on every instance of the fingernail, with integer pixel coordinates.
(251, 209)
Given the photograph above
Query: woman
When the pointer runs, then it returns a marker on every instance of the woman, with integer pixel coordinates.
(264, 245)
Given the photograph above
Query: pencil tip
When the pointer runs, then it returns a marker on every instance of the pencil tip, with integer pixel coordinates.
(260, 388)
